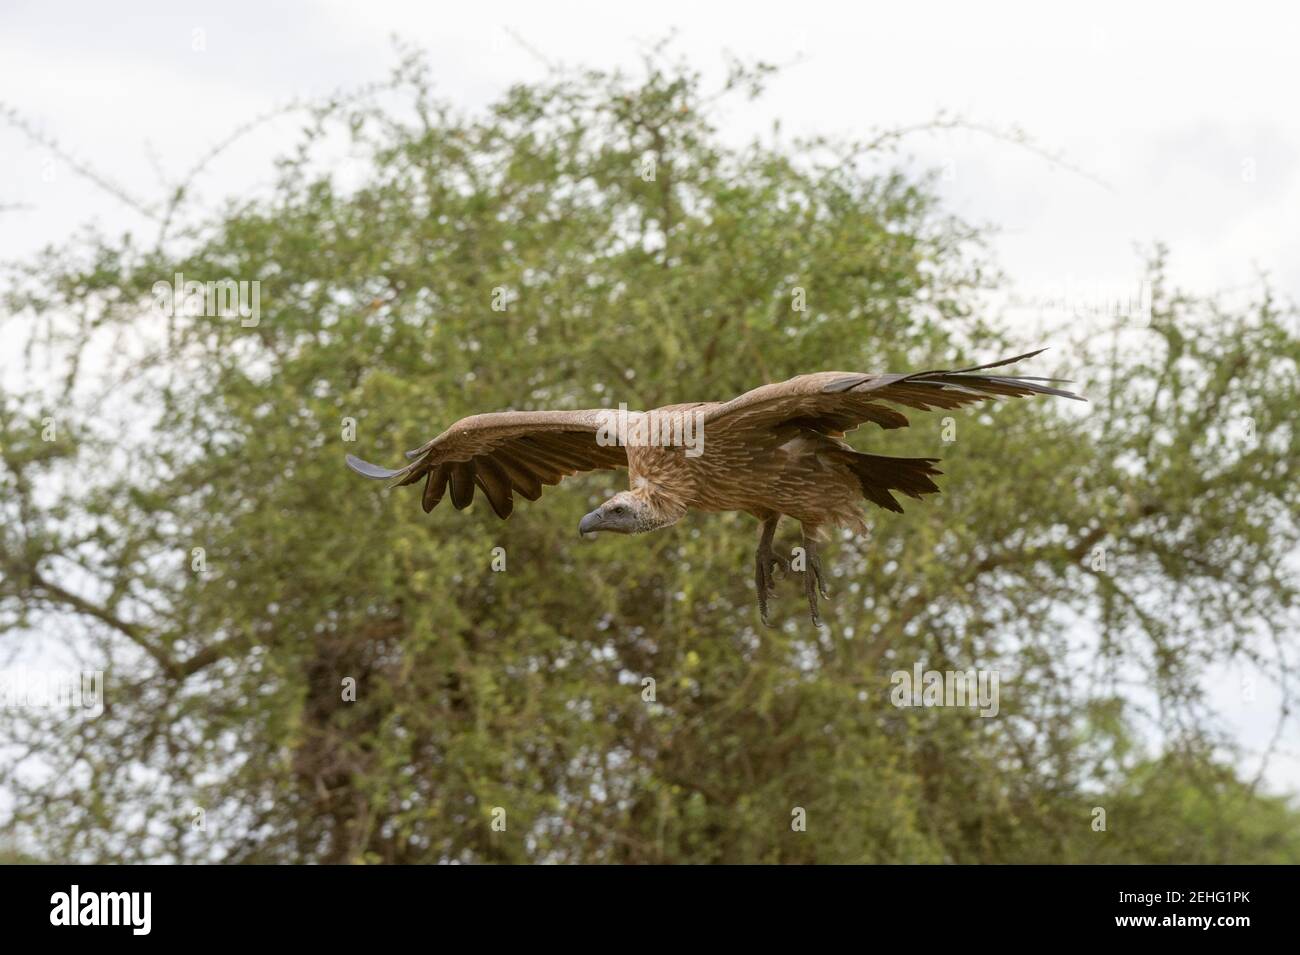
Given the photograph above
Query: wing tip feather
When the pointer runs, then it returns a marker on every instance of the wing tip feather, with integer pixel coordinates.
(374, 471)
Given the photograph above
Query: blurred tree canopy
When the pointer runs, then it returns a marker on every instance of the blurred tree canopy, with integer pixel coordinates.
(189, 527)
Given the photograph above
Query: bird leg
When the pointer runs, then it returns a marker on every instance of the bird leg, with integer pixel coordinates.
(814, 582)
(766, 561)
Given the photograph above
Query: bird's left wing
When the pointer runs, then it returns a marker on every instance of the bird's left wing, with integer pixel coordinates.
(504, 452)
(836, 401)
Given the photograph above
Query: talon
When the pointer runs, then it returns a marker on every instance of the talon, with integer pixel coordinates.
(766, 564)
(814, 582)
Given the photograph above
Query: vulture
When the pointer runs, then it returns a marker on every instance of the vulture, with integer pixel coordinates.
(773, 452)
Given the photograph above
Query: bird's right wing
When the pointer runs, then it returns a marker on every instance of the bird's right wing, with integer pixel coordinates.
(504, 452)
(835, 401)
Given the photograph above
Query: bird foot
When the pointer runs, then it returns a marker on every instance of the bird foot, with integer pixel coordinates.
(766, 562)
(814, 583)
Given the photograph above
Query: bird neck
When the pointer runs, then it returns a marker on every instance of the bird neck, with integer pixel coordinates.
(661, 506)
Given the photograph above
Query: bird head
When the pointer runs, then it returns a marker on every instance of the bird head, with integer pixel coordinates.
(631, 512)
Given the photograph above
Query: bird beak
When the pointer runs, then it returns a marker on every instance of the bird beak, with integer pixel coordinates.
(590, 523)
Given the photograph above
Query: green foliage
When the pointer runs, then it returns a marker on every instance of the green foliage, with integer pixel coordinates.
(523, 689)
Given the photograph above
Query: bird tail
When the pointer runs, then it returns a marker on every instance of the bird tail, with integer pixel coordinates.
(878, 475)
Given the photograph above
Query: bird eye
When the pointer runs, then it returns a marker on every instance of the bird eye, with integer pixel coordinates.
(619, 509)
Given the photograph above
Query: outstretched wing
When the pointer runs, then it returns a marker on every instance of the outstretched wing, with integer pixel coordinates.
(834, 402)
(502, 453)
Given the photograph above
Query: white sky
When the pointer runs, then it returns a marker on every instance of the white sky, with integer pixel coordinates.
(1186, 111)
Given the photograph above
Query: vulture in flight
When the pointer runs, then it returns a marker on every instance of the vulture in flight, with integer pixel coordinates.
(772, 452)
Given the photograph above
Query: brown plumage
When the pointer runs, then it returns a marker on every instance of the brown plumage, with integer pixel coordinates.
(772, 452)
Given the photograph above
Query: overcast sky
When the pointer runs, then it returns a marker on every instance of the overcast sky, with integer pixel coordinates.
(1187, 114)
(1179, 121)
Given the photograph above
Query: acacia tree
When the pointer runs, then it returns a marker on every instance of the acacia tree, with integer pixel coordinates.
(330, 675)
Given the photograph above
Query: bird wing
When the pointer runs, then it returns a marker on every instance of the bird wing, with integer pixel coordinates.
(834, 402)
(504, 452)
